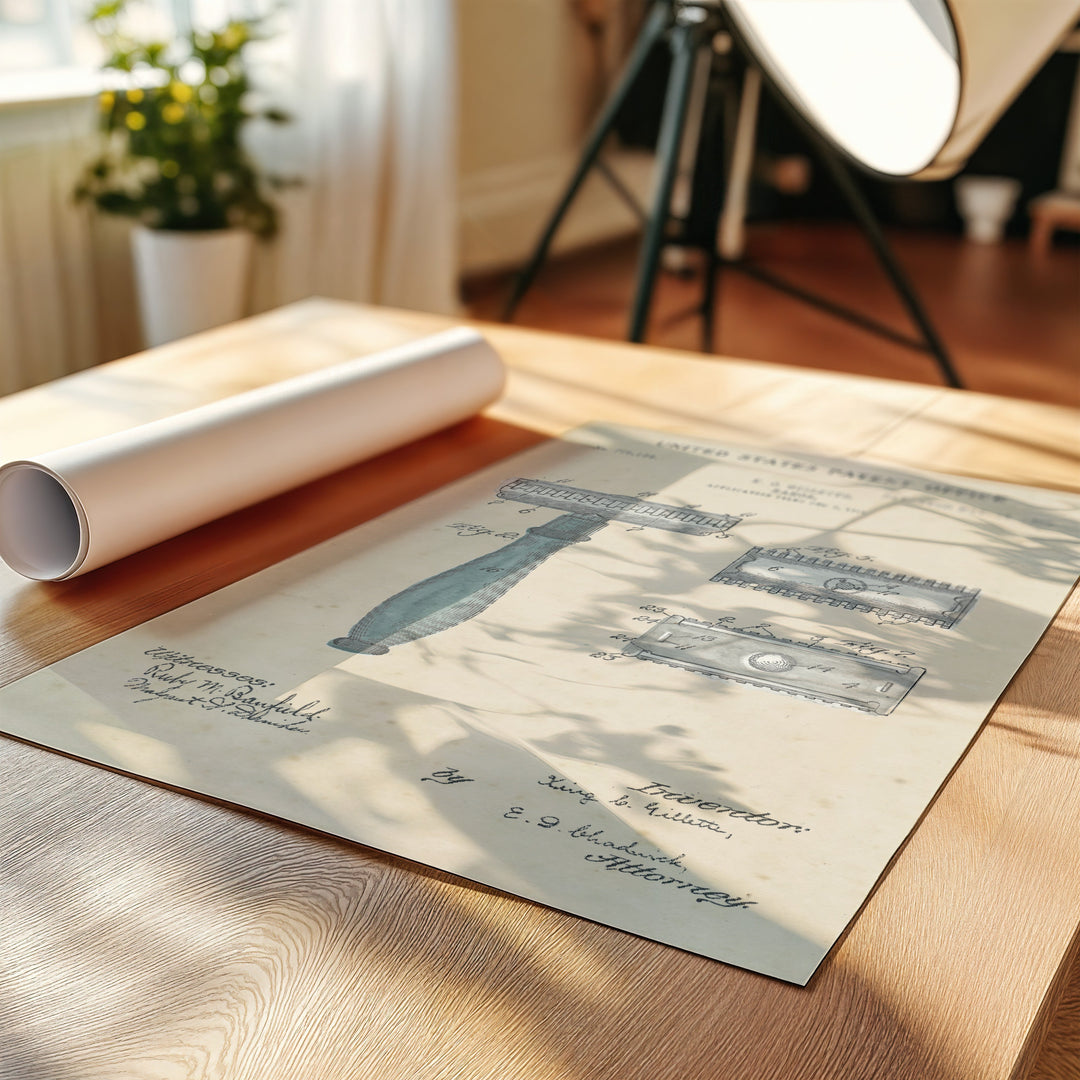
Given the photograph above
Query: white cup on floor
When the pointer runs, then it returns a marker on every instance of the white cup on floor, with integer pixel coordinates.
(986, 203)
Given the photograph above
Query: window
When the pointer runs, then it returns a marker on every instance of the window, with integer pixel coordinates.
(47, 51)
(36, 34)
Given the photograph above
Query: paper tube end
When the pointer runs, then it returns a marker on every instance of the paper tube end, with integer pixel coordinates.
(41, 530)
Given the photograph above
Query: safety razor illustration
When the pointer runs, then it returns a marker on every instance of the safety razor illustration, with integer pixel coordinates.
(826, 675)
(461, 593)
(902, 597)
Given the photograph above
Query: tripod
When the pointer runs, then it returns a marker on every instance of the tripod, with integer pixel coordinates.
(690, 27)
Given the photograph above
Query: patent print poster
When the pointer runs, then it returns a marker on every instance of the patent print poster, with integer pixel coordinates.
(696, 692)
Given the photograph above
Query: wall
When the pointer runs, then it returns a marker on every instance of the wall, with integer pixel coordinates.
(530, 80)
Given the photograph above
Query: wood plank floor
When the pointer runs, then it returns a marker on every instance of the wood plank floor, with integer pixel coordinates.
(1010, 319)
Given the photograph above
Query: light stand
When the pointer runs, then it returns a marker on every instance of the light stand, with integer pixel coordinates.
(689, 27)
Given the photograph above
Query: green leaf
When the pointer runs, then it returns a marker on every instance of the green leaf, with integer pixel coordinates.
(208, 180)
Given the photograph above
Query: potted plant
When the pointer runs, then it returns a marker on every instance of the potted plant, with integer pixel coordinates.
(172, 158)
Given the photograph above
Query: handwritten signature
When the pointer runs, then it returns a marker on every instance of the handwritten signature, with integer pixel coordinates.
(169, 681)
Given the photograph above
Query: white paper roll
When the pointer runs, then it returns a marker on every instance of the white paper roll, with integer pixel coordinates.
(69, 511)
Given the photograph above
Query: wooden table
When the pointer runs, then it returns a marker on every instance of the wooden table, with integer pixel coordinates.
(149, 934)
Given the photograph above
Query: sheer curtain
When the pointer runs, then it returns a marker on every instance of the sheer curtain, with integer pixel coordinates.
(372, 88)
(34, 220)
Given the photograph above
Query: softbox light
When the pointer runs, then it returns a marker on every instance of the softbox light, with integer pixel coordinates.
(906, 88)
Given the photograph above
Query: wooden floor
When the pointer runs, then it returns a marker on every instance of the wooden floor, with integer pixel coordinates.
(1010, 320)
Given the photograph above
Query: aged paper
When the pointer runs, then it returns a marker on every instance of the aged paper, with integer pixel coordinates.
(697, 692)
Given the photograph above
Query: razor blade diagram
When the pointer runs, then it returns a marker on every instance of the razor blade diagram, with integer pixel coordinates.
(902, 597)
(825, 675)
(464, 591)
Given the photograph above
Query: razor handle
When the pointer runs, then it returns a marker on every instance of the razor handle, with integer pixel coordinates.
(464, 591)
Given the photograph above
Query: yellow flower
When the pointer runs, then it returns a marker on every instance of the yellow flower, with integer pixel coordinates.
(180, 91)
(233, 36)
(135, 96)
(170, 168)
(172, 113)
(135, 121)
(106, 100)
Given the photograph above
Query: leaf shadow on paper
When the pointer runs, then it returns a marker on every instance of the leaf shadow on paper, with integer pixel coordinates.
(224, 860)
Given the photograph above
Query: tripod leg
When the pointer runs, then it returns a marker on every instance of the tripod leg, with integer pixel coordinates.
(869, 223)
(709, 288)
(683, 192)
(728, 202)
(652, 31)
(686, 38)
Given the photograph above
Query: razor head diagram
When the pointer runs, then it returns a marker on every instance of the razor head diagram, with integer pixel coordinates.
(835, 678)
(625, 508)
(902, 597)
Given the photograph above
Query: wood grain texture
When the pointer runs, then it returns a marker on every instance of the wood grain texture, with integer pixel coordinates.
(152, 935)
(1059, 1056)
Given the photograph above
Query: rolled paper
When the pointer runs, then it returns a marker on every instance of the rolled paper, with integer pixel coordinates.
(69, 511)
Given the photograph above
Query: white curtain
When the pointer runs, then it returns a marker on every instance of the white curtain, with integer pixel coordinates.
(372, 89)
(48, 310)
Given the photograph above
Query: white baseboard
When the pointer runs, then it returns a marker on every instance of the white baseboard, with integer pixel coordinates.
(503, 209)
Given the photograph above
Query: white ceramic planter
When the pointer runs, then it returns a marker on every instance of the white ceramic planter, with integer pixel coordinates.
(189, 281)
